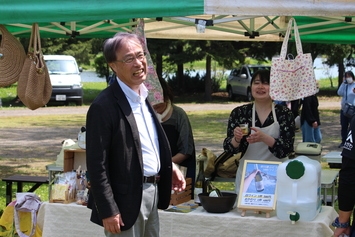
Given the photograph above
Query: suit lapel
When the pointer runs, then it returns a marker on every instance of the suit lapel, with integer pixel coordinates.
(128, 113)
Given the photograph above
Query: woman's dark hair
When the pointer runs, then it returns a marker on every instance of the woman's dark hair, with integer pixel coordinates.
(264, 76)
(349, 73)
(167, 92)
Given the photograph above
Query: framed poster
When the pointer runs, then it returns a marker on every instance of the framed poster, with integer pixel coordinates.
(258, 185)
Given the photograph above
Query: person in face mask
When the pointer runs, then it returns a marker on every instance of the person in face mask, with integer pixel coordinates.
(346, 90)
(178, 130)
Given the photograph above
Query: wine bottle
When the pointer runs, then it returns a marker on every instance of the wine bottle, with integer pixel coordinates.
(200, 181)
(213, 191)
(259, 183)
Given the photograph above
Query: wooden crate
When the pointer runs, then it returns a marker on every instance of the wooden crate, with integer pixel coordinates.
(183, 196)
(68, 198)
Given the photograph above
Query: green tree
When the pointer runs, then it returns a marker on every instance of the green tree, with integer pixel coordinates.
(81, 49)
(101, 67)
(336, 55)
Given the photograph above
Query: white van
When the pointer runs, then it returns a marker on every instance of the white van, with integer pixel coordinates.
(65, 78)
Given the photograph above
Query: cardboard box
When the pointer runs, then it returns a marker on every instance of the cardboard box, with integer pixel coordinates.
(62, 196)
(73, 158)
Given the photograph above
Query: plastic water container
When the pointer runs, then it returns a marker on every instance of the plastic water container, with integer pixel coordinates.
(298, 189)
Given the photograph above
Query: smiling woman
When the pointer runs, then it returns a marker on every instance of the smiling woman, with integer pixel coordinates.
(272, 127)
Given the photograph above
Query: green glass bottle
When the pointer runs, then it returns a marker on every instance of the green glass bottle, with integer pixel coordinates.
(213, 191)
(259, 183)
(200, 182)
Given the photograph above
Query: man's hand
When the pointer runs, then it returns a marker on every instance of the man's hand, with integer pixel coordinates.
(113, 224)
(178, 181)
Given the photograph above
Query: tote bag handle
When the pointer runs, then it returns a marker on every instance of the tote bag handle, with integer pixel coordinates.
(287, 36)
(35, 40)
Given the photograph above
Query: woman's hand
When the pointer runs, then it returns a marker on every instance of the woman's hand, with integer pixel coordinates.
(238, 134)
(256, 136)
(259, 136)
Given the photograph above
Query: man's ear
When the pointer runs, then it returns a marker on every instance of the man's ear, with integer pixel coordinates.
(112, 66)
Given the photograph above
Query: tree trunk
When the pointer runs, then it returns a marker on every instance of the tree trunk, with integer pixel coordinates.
(341, 70)
(180, 77)
(208, 82)
(159, 63)
(180, 70)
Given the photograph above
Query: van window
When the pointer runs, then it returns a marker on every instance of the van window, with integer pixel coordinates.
(244, 71)
(61, 67)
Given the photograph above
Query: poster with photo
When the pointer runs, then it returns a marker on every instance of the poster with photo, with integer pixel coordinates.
(258, 187)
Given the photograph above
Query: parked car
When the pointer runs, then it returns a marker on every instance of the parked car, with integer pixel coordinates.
(65, 78)
(238, 82)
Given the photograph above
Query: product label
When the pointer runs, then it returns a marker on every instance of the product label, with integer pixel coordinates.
(197, 192)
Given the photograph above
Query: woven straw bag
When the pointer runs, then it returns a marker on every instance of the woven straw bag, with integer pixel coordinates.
(292, 79)
(34, 86)
(12, 56)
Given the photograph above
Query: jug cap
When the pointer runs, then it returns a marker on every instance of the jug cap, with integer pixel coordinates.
(295, 169)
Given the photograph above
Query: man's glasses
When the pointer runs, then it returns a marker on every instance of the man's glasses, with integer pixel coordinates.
(140, 57)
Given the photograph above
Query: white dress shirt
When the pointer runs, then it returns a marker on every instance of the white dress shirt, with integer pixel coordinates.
(146, 127)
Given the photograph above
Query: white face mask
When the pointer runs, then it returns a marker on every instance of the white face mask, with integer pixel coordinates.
(349, 80)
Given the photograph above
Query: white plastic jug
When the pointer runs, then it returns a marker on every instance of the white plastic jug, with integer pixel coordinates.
(298, 189)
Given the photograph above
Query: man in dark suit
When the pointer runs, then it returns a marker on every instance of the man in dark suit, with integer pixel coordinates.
(128, 155)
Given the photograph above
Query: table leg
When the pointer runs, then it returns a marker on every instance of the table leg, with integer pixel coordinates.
(19, 187)
(34, 187)
(50, 178)
(8, 192)
(333, 193)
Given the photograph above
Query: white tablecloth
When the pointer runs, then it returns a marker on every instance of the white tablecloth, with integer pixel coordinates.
(73, 220)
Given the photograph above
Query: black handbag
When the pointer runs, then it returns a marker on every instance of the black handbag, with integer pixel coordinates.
(349, 110)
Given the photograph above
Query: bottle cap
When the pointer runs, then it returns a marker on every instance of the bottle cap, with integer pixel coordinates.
(294, 216)
(295, 169)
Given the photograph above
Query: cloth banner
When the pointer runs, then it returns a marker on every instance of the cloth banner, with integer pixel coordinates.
(152, 83)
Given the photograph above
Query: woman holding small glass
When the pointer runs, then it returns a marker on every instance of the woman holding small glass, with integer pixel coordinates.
(272, 127)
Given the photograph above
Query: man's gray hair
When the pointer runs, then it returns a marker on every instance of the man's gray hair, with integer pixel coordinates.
(113, 44)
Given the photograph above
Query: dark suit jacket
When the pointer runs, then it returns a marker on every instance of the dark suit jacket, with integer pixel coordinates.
(114, 159)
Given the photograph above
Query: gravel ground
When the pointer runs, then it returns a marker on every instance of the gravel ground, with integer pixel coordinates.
(29, 142)
(83, 109)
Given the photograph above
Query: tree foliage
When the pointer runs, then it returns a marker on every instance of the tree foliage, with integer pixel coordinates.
(170, 55)
(101, 67)
(82, 49)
